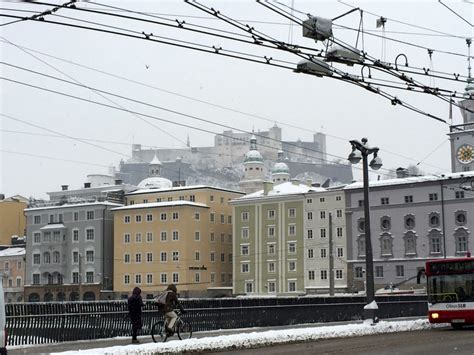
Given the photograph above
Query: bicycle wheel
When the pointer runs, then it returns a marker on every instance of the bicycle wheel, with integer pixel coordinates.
(157, 331)
(185, 331)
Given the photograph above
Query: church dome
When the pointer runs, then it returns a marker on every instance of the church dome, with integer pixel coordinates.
(155, 182)
(280, 167)
(253, 156)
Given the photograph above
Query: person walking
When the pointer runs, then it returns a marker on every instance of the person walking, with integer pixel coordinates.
(135, 304)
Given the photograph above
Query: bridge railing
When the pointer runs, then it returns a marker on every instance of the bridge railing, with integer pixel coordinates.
(39, 323)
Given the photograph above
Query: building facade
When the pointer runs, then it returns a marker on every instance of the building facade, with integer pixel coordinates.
(12, 264)
(69, 252)
(412, 219)
(179, 235)
(12, 220)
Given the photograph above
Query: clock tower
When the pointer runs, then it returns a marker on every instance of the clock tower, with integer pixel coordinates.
(462, 135)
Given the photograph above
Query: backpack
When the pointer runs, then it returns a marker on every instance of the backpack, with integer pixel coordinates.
(161, 298)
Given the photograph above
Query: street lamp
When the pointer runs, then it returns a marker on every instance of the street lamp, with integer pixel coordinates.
(360, 150)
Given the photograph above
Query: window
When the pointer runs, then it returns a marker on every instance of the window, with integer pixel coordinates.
(138, 218)
(75, 257)
(309, 234)
(89, 277)
(359, 272)
(126, 219)
(126, 238)
(47, 237)
(175, 235)
(385, 223)
(149, 278)
(310, 215)
(90, 215)
(409, 199)
(434, 237)
(51, 218)
(149, 217)
(322, 214)
(271, 231)
(340, 252)
(149, 237)
(138, 238)
(271, 266)
(399, 271)
(132, 203)
(271, 249)
(244, 250)
(175, 256)
(249, 287)
(75, 235)
(145, 200)
(292, 248)
(18, 282)
(213, 238)
(197, 236)
(409, 221)
(75, 277)
(158, 199)
(361, 203)
(197, 277)
(291, 286)
(244, 268)
(36, 238)
(271, 287)
(197, 216)
(36, 279)
(163, 216)
(89, 234)
(460, 218)
(309, 200)
(386, 242)
(434, 219)
(197, 256)
(175, 216)
(311, 275)
(163, 256)
(138, 257)
(126, 258)
(170, 198)
(37, 219)
(384, 201)
(19, 265)
(245, 216)
(222, 218)
(379, 271)
(361, 246)
(323, 253)
(410, 243)
(339, 231)
(56, 236)
(229, 219)
(461, 239)
(338, 198)
(338, 213)
(89, 256)
(310, 253)
(149, 257)
(213, 257)
(291, 212)
(339, 275)
(212, 217)
(47, 258)
(459, 194)
(175, 277)
(324, 274)
(211, 198)
(163, 278)
(138, 279)
(76, 216)
(292, 230)
(322, 199)
(56, 257)
(322, 232)
(163, 236)
(433, 197)
(222, 257)
(271, 214)
(291, 265)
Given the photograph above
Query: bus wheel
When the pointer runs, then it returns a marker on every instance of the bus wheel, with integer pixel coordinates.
(456, 326)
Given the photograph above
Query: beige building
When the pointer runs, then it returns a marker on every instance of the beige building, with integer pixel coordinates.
(12, 220)
(180, 235)
(12, 265)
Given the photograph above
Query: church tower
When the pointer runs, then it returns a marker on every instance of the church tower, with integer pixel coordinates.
(462, 135)
(280, 171)
(253, 169)
(154, 167)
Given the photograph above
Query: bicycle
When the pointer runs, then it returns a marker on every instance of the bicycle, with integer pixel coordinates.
(181, 327)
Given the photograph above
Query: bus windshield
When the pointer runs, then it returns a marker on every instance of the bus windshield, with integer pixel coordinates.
(451, 288)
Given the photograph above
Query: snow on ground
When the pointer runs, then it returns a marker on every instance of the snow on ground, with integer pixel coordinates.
(258, 339)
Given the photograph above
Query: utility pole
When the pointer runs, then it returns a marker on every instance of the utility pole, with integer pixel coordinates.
(331, 259)
(80, 276)
(442, 218)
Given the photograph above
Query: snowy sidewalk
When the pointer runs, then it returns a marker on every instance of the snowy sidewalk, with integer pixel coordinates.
(246, 340)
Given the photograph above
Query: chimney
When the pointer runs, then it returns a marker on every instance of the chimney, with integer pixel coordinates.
(295, 181)
(267, 187)
(87, 185)
(401, 173)
(309, 181)
(64, 187)
(118, 181)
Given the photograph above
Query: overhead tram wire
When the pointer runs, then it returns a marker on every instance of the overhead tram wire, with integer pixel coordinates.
(198, 100)
(454, 12)
(169, 121)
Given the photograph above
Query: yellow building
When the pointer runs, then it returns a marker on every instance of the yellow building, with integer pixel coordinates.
(180, 235)
(12, 219)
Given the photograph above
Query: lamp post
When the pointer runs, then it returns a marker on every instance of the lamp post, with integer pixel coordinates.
(360, 150)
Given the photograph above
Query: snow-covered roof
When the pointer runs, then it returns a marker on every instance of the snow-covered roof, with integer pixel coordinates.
(161, 204)
(155, 182)
(179, 188)
(12, 252)
(75, 205)
(410, 180)
(287, 188)
(53, 226)
(155, 161)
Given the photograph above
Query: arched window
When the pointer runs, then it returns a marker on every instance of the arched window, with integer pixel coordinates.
(409, 221)
(460, 218)
(361, 245)
(433, 219)
(56, 257)
(410, 243)
(434, 237)
(386, 245)
(361, 225)
(385, 223)
(47, 257)
(461, 238)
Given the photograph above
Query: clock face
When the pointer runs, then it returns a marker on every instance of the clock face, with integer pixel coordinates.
(465, 154)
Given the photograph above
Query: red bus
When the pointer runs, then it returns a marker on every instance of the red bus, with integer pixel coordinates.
(450, 288)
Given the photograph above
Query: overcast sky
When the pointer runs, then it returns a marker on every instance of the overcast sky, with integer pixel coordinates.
(339, 109)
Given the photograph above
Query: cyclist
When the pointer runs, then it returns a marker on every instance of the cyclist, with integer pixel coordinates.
(171, 304)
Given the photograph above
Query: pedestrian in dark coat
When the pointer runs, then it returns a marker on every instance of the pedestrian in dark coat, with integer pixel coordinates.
(135, 305)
